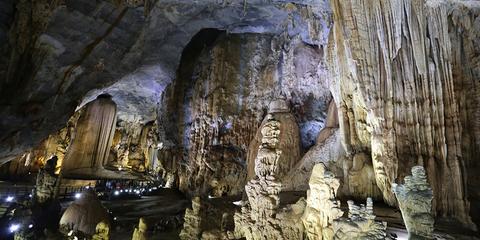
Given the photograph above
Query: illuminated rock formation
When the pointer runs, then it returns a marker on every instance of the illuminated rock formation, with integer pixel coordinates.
(277, 141)
(401, 98)
(415, 200)
(140, 232)
(84, 214)
(322, 207)
(224, 96)
(102, 231)
(46, 186)
(88, 153)
(360, 224)
(262, 218)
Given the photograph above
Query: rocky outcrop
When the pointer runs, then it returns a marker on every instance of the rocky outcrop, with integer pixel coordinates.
(360, 224)
(135, 147)
(415, 200)
(391, 74)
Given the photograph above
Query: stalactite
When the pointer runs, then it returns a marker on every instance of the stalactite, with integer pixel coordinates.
(390, 65)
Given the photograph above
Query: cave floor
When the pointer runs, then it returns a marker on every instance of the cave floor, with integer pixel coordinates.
(164, 210)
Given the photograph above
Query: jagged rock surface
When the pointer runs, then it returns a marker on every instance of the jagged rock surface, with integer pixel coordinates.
(415, 200)
(47, 183)
(192, 226)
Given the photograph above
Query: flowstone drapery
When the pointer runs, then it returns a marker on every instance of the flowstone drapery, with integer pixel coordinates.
(88, 153)
(322, 207)
(415, 200)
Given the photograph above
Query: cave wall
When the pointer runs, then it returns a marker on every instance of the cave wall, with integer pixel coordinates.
(215, 106)
(391, 66)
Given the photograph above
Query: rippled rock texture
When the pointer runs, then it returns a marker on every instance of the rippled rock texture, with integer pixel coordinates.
(396, 78)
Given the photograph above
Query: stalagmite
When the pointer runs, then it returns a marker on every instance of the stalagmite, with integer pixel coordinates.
(283, 134)
(140, 232)
(360, 224)
(193, 221)
(262, 218)
(102, 231)
(88, 153)
(415, 201)
(84, 214)
(322, 207)
(47, 182)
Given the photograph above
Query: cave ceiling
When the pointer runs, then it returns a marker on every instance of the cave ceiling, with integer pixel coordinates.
(72, 51)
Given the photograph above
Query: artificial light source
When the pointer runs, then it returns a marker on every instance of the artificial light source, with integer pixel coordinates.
(9, 198)
(116, 193)
(78, 195)
(14, 227)
(30, 226)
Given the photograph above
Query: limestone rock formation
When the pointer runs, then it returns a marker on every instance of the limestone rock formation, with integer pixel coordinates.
(140, 232)
(224, 88)
(277, 141)
(47, 183)
(327, 150)
(192, 227)
(84, 214)
(360, 224)
(89, 151)
(262, 218)
(322, 207)
(102, 231)
(415, 200)
(391, 71)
